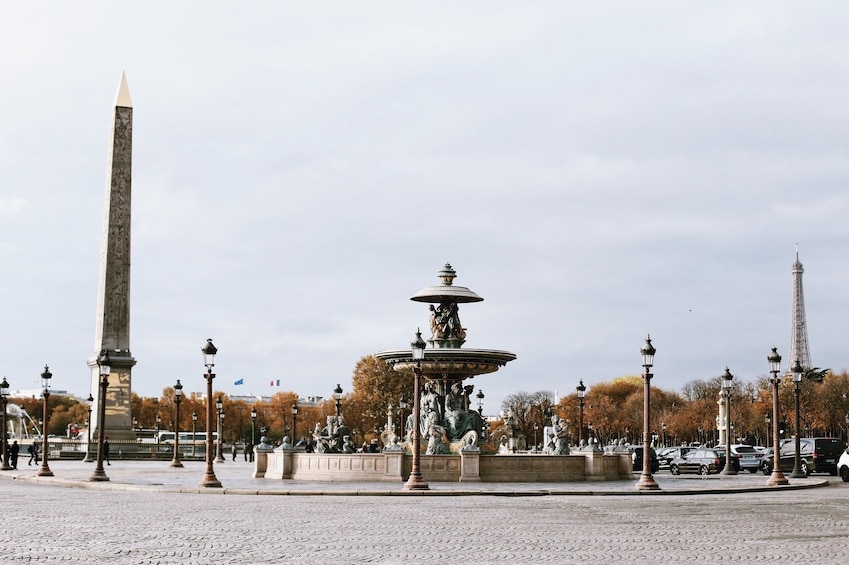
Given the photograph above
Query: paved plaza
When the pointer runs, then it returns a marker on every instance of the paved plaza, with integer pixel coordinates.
(151, 513)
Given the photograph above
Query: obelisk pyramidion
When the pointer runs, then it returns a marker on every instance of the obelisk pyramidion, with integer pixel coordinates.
(113, 300)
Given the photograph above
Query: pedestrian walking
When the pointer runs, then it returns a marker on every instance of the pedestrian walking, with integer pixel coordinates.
(234, 451)
(106, 450)
(33, 453)
(13, 454)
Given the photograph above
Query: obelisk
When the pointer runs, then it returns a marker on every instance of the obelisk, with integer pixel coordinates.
(113, 300)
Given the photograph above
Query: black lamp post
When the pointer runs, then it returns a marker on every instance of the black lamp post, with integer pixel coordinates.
(415, 481)
(582, 390)
(45, 394)
(155, 452)
(777, 477)
(88, 459)
(295, 420)
(337, 395)
(480, 397)
(727, 379)
(402, 407)
(4, 400)
(209, 351)
(767, 419)
(194, 429)
(663, 433)
(219, 405)
(253, 425)
(797, 459)
(646, 481)
(104, 365)
(536, 430)
(178, 397)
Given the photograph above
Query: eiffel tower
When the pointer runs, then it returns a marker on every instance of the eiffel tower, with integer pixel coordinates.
(799, 327)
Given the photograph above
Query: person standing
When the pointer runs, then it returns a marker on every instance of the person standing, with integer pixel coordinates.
(234, 451)
(106, 450)
(33, 453)
(13, 454)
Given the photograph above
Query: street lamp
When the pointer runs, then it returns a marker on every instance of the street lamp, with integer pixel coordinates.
(253, 425)
(727, 378)
(88, 459)
(104, 365)
(582, 390)
(45, 394)
(646, 481)
(402, 406)
(209, 351)
(480, 397)
(4, 399)
(295, 419)
(178, 397)
(768, 420)
(777, 477)
(154, 451)
(663, 433)
(219, 405)
(194, 428)
(337, 394)
(536, 429)
(797, 459)
(415, 481)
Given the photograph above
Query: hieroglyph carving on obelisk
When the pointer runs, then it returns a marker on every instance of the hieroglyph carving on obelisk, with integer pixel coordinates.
(113, 300)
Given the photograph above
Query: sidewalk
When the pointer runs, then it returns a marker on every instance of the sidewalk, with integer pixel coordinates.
(236, 478)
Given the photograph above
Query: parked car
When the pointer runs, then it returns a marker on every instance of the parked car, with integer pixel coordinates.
(843, 466)
(665, 456)
(816, 455)
(748, 457)
(702, 460)
(637, 458)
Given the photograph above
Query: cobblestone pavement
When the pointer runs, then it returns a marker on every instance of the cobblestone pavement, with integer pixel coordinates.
(136, 519)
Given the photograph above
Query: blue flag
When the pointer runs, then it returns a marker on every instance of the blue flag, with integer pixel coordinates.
(240, 382)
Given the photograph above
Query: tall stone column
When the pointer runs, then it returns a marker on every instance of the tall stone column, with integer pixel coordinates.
(113, 301)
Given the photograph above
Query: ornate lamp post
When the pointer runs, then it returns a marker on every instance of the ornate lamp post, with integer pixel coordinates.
(402, 407)
(295, 420)
(45, 394)
(194, 429)
(415, 481)
(536, 429)
(582, 390)
(646, 481)
(727, 378)
(209, 351)
(663, 433)
(178, 397)
(797, 459)
(777, 477)
(480, 397)
(219, 405)
(337, 395)
(253, 425)
(104, 365)
(155, 452)
(767, 419)
(88, 459)
(4, 399)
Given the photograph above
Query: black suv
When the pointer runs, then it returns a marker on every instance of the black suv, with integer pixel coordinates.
(637, 459)
(816, 455)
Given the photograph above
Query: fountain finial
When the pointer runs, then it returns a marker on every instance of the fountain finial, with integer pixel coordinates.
(447, 274)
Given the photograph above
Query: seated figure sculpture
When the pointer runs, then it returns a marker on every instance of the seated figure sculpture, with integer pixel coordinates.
(457, 420)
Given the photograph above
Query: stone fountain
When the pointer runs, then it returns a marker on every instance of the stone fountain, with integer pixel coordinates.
(452, 428)
(447, 419)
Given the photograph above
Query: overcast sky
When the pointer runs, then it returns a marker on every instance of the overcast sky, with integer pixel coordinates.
(301, 169)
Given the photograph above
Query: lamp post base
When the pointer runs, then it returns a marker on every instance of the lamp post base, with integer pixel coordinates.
(647, 482)
(45, 471)
(6, 467)
(416, 482)
(728, 471)
(209, 480)
(777, 479)
(98, 476)
(797, 473)
(176, 463)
